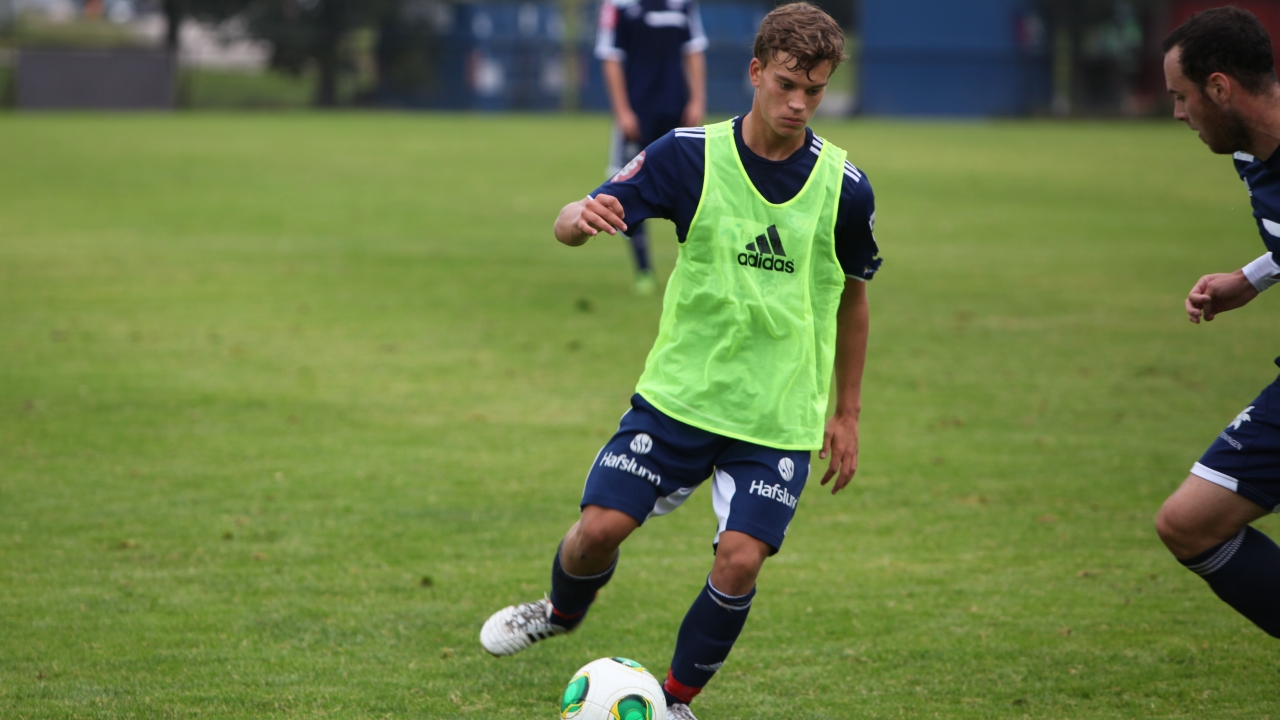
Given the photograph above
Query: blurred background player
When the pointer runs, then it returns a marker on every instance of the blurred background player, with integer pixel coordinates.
(654, 64)
(775, 230)
(1220, 71)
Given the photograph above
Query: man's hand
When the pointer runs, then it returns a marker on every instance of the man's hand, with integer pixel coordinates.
(840, 442)
(1218, 293)
(693, 113)
(583, 220)
(629, 124)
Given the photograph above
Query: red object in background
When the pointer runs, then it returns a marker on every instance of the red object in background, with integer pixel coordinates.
(1268, 11)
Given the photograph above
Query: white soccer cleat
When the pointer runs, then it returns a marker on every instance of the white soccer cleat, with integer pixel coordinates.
(516, 627)
(679, 711)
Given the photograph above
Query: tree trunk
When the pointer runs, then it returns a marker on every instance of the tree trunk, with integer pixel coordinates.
(173, 23)
(327, 52)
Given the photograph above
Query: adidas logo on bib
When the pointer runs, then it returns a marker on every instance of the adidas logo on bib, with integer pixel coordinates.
(767, 253)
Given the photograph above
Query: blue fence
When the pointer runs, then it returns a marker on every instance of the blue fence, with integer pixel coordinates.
(731, 30)
(941, 57)
(511, 56)
(495, 56)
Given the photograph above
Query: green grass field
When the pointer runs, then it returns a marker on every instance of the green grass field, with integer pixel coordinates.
(290, 403)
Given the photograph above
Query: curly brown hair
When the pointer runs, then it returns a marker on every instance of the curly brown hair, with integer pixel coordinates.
(805, 33)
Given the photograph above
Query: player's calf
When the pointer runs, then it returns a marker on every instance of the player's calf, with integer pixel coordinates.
(1206, 527)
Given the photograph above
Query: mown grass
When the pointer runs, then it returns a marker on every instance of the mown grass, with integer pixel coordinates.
(290, 403)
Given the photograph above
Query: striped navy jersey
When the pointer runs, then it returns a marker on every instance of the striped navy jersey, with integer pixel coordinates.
(650, 38)
(1262, 178)
(666, 181)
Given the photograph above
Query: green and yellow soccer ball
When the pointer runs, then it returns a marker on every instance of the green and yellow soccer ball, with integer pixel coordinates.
(613, 689)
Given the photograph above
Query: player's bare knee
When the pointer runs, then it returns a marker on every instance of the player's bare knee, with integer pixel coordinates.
(1173, 531)
(735, 570)
(1186, 533)
(595, 539)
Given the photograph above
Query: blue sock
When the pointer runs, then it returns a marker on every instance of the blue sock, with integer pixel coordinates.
(571, 596)
(706, 637)
(640, 247)
(1245, 572)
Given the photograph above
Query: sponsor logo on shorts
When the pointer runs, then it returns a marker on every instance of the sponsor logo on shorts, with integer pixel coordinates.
(628, 464)
(773, 492)
(786, 469)
(1241, 419)
(641, 444)
(1231, 441)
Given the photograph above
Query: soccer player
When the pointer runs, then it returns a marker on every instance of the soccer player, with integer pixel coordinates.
(767, 296)
(652, 53)
(1219, 68)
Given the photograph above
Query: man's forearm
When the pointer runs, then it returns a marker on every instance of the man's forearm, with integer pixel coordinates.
(615, 83)
(853, 323)
(695, 73)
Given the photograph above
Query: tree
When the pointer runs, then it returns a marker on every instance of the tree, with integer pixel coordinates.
(302, 32)
(175, 11)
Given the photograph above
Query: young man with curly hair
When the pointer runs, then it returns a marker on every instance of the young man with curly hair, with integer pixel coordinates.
(767, 297)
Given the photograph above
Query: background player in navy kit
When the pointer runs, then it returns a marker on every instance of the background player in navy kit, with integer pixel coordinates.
(653, 58)
(655, 461)
(1219, 69)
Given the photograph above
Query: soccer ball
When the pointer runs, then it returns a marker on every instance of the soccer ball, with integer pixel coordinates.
(613, 689)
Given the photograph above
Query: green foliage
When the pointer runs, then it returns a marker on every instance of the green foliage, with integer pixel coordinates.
(8, 91)
(228, 89)
(33, 31)
(290, 403)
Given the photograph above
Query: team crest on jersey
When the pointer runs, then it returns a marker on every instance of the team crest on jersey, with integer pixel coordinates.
(641, 444)
(1241, 419)
(786, 468)
(631, 169)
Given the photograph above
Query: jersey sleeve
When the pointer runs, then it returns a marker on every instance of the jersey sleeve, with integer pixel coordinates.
(646, 186)
(697, 41)
(607, 47)
(856, 247)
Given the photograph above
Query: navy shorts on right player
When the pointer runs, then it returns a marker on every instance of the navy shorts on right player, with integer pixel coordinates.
(655, 462)
(1246, 456)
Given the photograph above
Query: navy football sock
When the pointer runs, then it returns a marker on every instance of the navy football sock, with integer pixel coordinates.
(706, 637)
(571, 596)
(1245, 572)
(640, 248)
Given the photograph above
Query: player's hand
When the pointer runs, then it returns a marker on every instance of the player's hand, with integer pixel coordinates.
(840, 443)
(629, 124)
(1218, 293)
(602, 213)
(587, 218)
(693, 114)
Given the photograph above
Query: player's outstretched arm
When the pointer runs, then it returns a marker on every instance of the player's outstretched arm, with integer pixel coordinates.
(1218, 293)
(582, 220)
(840, 442)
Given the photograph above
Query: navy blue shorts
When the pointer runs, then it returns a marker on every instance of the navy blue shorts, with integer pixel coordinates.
(1246, 456)
(655, 462)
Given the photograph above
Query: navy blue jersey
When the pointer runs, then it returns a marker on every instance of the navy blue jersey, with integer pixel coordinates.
(1262, 177)
(666, 181)
(650, 38)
